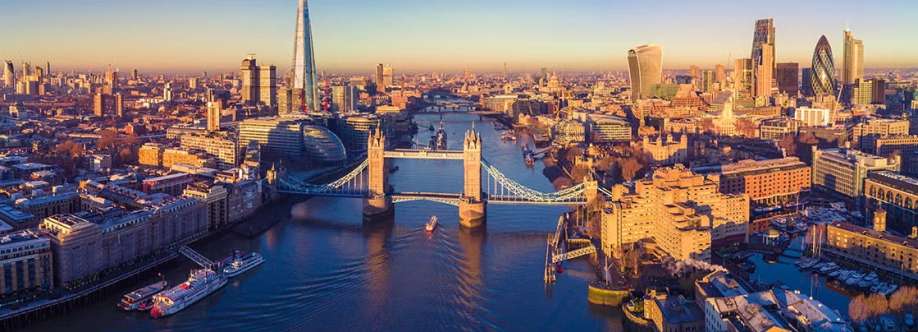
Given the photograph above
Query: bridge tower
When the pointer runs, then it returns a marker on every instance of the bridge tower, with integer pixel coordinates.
(471, 205)
(378, 204)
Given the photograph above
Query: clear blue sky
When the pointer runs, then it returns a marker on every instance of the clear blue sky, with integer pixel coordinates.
(353, 35)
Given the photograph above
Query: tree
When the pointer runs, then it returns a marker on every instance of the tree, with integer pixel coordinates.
(857, 309)
(902, 299)
(108, 139)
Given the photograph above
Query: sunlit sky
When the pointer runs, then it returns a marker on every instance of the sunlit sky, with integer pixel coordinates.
(420, 35)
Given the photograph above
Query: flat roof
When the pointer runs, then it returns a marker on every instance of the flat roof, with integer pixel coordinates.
(896, 180)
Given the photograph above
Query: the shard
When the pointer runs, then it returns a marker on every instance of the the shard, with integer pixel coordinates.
(305, 93)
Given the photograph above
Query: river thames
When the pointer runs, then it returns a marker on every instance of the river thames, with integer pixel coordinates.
(327, 271)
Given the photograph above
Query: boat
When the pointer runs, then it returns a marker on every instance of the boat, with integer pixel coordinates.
(854, 279)
(807, 263)
(200, 284)
(844, 274)
(142, 298)
(889, 289)
(431, 224)
(529, 160)
(828, 268)
(240, 263)
(864, 283)
(836, 273)
(508, 136)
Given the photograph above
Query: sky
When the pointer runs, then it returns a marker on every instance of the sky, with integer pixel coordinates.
(440, 35)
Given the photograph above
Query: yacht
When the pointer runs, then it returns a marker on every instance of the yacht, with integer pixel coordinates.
(199, 285)
(239, 263)
(142, 298)
(431, 224)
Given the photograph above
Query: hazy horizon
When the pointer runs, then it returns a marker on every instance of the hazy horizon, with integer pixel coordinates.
(435, 35)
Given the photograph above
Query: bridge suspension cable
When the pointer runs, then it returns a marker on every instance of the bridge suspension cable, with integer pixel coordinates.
(506, 189)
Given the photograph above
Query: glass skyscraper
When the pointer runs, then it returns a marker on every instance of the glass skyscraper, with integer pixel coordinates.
(822, 80)
(645, 64)
(304, 63)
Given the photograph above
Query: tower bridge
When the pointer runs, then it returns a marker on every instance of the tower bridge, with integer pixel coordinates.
(483, 183)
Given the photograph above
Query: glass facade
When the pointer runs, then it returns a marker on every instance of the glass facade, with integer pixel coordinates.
(822, 79)
(323, 146)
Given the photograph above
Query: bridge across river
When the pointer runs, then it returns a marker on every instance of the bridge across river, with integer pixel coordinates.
(483, 183)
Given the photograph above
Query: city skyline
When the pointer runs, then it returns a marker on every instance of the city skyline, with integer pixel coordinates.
(539, 34)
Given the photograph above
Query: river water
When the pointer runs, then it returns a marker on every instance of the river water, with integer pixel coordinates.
(327, 271)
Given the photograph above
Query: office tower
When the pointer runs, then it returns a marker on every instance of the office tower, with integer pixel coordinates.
(39, 74)
(267, 85)
(787, 77)
(344, 98)
(167, 92)
(119, 105)
(695, 73)
(213, 115)
(806, 82)
(48, 68)
(135, 75)
(306, 93)
(111, 81)
(284, 101)
(823, 77)
(383, 77)
(742, 76)
(26, 70)
(192, 83)
(853, 61)
(645, 64)
(763, 57)
(707, 81)
(9, 72)
(249, 75)
(720, 75)
(98, 104)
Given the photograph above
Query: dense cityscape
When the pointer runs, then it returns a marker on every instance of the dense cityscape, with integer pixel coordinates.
(757, 194)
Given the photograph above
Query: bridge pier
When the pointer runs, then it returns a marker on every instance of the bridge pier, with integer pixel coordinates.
(377, 208)
(472, 214)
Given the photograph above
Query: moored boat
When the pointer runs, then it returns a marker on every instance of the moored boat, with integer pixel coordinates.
(142, 298)
(239, 263)
(199, 285)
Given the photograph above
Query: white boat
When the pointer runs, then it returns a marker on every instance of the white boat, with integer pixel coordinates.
(240, 263)
(431, 224)
(199, 285)
(141, 299)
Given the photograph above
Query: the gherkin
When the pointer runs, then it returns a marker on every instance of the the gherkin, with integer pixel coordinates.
(823, 78)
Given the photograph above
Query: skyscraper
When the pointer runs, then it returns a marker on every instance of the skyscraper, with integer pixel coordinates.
(248, 72)
(720, 75)
(9, 71)
(306, 95)
(259, 83)
(267, 85)
(742, 76)
(822, 80)
(788, 78)
(763, 57)
(111, 81)
(383, 77)
(213, 115)
(853, 61)
(645, 63)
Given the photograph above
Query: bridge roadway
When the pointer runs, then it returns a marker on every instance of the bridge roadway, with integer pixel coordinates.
(424, 154)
